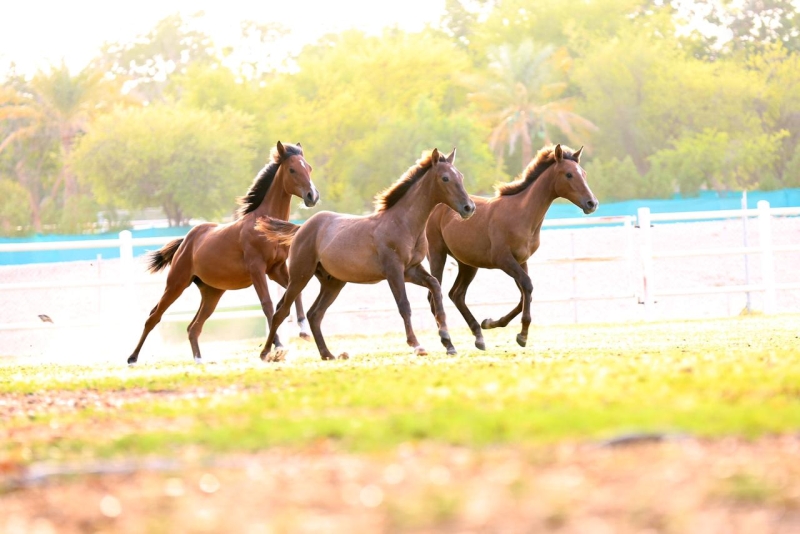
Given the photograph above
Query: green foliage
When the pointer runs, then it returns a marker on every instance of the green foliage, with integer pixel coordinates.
(191, 162)
(79, 215)
(792, 173)
(715, 160)
(614, 179)
(15, 209)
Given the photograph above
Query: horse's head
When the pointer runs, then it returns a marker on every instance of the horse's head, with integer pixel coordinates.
(450, 184)
(570, 181)
(295, 174)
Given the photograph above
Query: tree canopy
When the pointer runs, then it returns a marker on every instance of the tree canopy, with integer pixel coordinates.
(667, 97)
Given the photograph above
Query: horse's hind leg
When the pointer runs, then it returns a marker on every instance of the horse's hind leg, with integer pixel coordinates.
(209, 299)
(419, 276)
(328, 291)
(437, 258)
(458, 294)
(520, 275)
(175, 287)
(503, 321)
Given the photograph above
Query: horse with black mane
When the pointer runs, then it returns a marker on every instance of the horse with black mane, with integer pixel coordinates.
(222, 257)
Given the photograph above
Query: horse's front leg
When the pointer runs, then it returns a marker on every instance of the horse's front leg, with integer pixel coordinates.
(281, 275)
(419, 276)
(258, 274)
(395, 276)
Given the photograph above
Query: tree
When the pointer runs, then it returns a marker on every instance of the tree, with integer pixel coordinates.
(15, 213)
(519, 99)
(147, 63)
(349, 93)
(729, 27)
(190, 162)
(719, 160)
(41, 120)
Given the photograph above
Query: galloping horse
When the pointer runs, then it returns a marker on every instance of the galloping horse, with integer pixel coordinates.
(504, 232)
(387, 245)
(219, 257)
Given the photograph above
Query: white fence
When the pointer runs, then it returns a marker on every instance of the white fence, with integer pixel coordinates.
(640, 287)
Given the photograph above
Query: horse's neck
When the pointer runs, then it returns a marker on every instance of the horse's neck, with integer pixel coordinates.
(416, 206)
(535, 201)
(277, 202)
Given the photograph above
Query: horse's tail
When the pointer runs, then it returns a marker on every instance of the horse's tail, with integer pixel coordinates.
(277, 230)
(161, 258)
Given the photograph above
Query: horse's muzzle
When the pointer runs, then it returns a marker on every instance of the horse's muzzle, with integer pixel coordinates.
(467, 211)
(311, 198)
(590, 206)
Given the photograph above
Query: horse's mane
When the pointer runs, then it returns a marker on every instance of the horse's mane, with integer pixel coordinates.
(544, 158)
(392, 194)
(262, 181)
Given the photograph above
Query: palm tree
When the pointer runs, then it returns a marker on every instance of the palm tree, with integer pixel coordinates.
(520, 99)
(57, 107)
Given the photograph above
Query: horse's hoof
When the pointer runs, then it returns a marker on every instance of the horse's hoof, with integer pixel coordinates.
(344, 356)
(327, 357)
(304, 336)
(480, 344)
(278, 355)
(198, 360)
(420, 351)
(452, 351)
(486, 324)
(132, 360)
(522, 340)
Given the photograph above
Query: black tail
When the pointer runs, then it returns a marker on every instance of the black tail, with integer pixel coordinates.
(277, 230)
(161, 258)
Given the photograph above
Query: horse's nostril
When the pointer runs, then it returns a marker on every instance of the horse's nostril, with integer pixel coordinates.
(468, 208)
(591, 204)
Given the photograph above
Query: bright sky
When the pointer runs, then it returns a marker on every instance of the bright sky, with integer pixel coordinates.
(34, 33)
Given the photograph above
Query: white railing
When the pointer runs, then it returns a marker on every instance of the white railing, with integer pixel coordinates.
(766, 250)
(643, 290)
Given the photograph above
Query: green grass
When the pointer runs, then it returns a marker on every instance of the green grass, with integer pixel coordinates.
(709, 378)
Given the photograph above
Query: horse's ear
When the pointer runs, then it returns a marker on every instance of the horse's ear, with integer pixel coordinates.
(434, 157)
(301, 146)
(558, 153)
(451, 157)
(281, 150)
(577, 154)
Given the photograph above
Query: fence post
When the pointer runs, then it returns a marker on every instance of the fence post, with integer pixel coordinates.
(744, 242)
(643, 218)
(767, 261)
(126, 270)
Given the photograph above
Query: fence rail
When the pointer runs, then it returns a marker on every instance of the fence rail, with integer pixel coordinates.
(644, 290)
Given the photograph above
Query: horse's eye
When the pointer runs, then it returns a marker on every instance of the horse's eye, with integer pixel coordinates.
(445, 179)
(569, 175)
(291, 171)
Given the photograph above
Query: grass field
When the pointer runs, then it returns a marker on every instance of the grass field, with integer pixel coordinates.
(674, 426)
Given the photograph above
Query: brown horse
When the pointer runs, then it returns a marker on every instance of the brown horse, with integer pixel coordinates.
(504, 232)
(387, 245)
(219, 257)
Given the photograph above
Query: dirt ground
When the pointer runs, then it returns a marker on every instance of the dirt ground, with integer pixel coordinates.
(678, 485)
